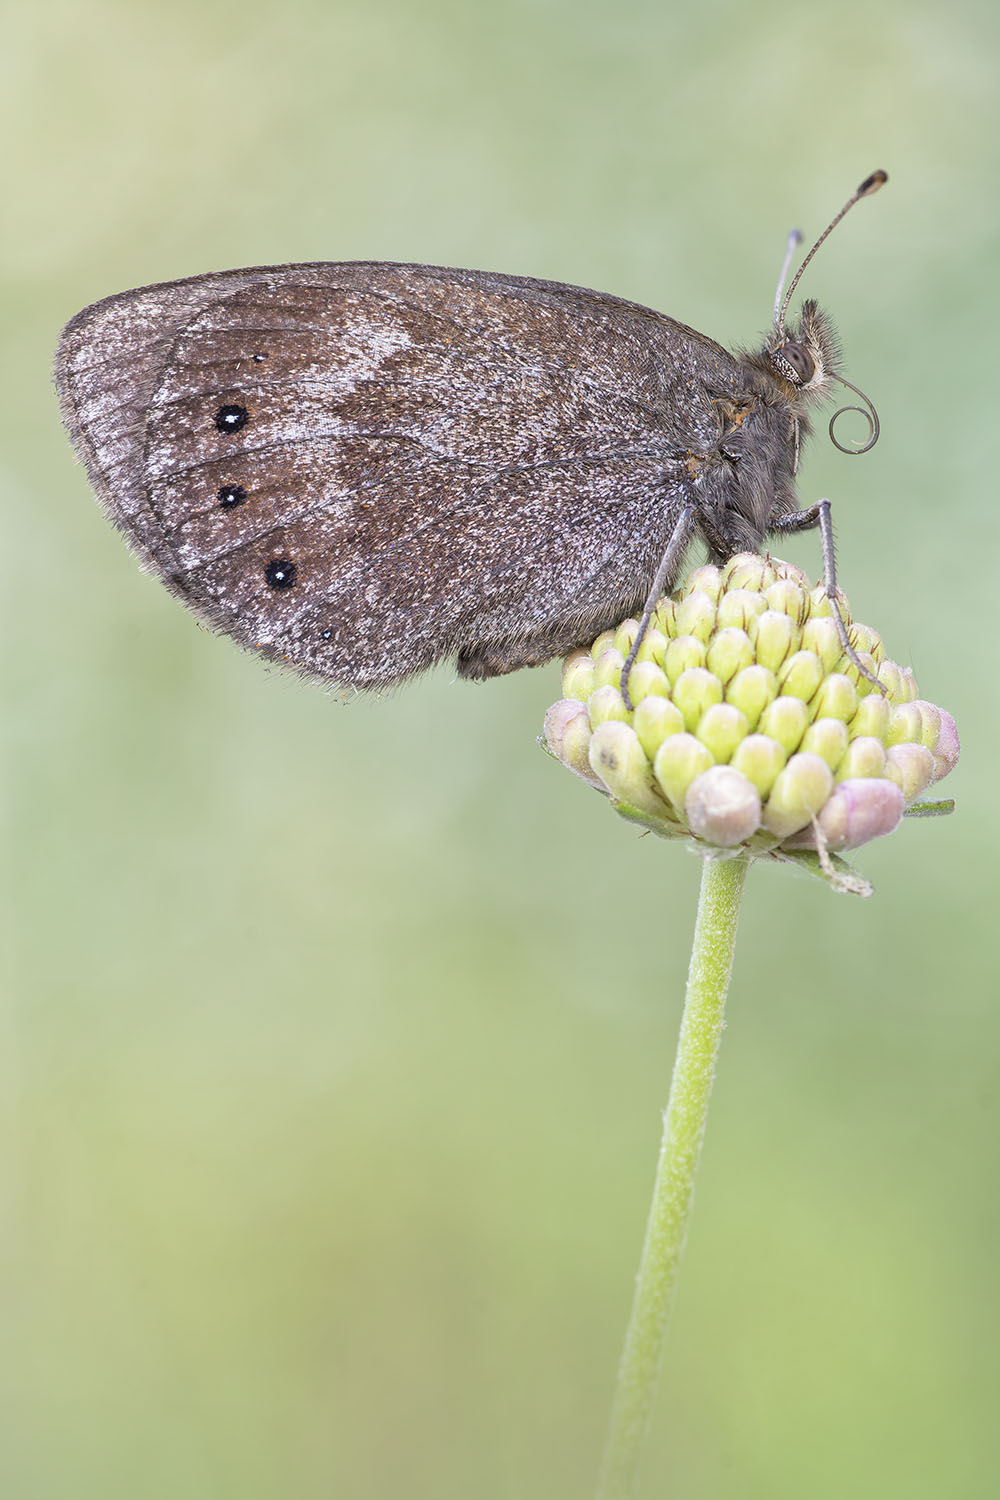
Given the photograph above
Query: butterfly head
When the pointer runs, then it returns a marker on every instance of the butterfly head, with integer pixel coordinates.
(807, 357)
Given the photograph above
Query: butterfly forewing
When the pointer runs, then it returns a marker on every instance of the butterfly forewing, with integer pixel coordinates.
(365, 468)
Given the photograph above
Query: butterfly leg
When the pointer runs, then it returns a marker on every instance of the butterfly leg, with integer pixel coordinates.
(675, 549)
(805, 520)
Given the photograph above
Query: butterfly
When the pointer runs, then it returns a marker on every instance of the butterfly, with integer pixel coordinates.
(364, 468)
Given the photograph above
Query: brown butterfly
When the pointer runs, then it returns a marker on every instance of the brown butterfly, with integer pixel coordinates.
(364, 468)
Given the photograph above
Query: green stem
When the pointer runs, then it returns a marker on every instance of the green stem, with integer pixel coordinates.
(683, 1132)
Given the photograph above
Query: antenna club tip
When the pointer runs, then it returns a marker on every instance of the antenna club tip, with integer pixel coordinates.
(872, 183)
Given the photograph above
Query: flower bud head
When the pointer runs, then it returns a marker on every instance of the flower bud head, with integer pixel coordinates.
(751, 726)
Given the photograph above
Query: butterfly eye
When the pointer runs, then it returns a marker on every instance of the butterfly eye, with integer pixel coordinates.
(795, 363)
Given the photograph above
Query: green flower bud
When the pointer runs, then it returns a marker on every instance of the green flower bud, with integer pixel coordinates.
(729, 652)
(721, 728)
(751, 691)
(827, 738)
(787, 598)
(694, 692)
(748, 571)
(684, 651)
(696, 615)
(618, 759)
(648, 679)
(654, 719)
(578, 675)
(836, 697)
(820, 635)
(653, 646)
(760, 758)
(798, 793)
(800, 676)
(677, 762)
(705, 580)
(625, 635)
(737, 607)
(905, 724)
(775, 636)
(751, 726)
(785, 720)
(605, 641)
(872, 717)
(608, 667)
(864, 757)
(606, 702)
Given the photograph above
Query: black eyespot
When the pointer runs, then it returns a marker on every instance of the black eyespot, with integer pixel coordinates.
(259, 358)
(231, 494)
(231, 418)
(795, 363)
(280, 573)
(325, 635)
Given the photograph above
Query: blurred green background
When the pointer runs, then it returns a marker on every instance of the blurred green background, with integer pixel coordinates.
(333, 1063)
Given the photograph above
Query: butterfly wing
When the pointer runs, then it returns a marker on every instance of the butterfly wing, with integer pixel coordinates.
(363, 468)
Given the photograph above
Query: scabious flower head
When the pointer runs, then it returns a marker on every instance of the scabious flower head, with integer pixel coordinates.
(750, 727)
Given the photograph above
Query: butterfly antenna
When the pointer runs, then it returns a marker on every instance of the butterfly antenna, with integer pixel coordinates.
(795, 238)
(870, 185)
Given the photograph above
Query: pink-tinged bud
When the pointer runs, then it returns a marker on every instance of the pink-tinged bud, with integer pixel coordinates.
(798, 794)
(683, 652)
(656, 718)
(618, 759)
(678, 761)
(722, 807)
(854, 813)
(911, 767)
(775, 636)
(578, 675)
(606, 703)
(567, 734)
(694, 692)
(947, 749)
